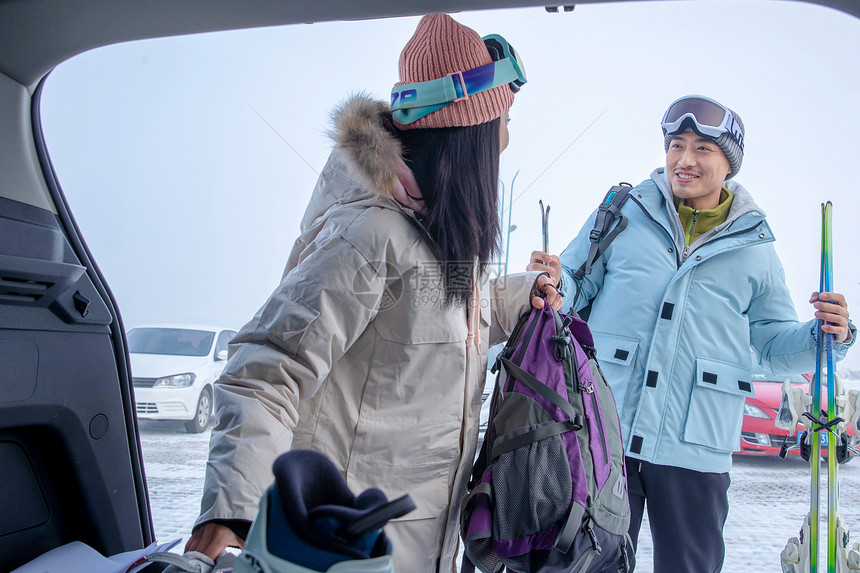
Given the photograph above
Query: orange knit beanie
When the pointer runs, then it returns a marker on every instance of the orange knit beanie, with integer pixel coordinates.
(440, 47)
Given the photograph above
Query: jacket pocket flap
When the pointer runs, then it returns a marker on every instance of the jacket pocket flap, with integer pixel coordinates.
(614, 348)
(417, 318)
(426, 484)
(725, 377)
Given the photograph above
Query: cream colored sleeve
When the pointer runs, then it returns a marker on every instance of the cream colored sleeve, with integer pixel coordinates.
(510, 298)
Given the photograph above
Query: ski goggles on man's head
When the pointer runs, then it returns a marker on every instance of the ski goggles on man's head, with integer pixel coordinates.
(410, 102)
(704, 116)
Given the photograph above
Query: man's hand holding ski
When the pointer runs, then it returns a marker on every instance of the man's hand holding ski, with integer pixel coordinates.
(832, 308)
(541, 261)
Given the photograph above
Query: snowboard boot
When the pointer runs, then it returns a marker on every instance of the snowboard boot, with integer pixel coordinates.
(310, 522)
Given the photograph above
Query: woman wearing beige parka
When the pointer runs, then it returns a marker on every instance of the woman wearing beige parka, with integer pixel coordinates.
(373, 349)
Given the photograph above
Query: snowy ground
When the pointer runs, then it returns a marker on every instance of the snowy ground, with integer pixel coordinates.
(768, 498)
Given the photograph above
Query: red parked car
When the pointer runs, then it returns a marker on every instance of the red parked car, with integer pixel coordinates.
(759, 434)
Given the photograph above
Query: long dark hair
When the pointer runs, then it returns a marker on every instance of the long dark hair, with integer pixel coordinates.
(457, 170)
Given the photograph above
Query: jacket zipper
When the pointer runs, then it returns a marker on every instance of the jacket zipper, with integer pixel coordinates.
(677, 256)
(693, 224)
(687, 250)
(740, 232)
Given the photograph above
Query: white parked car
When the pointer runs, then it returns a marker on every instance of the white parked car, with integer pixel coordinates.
(174, 368)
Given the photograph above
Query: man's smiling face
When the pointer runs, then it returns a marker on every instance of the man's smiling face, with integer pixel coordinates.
(697, 168)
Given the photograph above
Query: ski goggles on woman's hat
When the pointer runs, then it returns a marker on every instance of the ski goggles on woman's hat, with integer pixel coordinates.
(705, 116)
(410, 102)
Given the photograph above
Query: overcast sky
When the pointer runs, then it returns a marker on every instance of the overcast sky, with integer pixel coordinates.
(188, 161)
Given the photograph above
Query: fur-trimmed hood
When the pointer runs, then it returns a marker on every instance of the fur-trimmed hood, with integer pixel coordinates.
(366, 164)
(371, 152)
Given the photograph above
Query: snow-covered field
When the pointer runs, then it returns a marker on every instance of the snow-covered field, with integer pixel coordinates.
(768, 498)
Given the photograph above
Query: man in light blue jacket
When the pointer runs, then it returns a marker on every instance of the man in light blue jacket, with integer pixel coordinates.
(677, 299)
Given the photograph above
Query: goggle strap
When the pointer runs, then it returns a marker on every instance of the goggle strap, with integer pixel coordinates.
(451, 88)
(408, 115)
(505, 72)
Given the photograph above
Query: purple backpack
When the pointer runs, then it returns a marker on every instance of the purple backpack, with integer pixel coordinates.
(548, 491)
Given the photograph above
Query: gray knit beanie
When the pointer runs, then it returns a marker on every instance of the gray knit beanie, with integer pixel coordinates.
(733, 150)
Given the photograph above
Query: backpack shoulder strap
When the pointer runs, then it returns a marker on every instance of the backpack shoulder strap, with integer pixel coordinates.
(600, 236)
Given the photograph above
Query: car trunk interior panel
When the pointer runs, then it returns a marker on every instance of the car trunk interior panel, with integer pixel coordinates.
(69, 448)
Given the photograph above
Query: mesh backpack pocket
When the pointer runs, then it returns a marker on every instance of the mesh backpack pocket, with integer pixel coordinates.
(532, 483)
(548, 492)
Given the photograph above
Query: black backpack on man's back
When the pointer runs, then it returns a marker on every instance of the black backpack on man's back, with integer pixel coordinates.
(602, 235)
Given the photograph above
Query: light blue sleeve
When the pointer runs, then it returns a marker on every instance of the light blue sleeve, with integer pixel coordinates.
(786, 346)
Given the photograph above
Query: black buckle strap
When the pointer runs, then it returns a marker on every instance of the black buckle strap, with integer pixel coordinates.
(375, 519)
(608, 211)
(536, 435)
(820, 424)
(539, 387)
(838, 446)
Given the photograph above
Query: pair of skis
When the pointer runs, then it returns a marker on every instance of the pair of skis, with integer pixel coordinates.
(544, 226)
(801, 554)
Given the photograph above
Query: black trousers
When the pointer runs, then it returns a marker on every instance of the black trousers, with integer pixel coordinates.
(686, 510)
